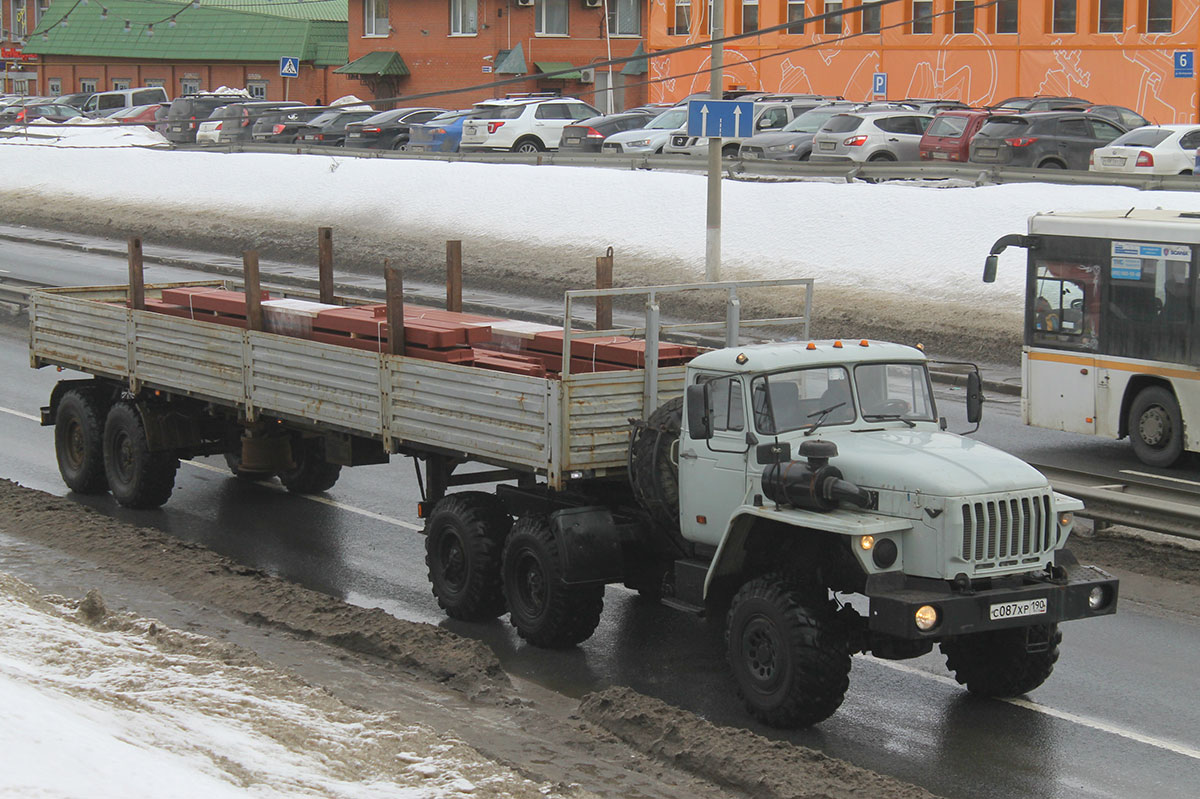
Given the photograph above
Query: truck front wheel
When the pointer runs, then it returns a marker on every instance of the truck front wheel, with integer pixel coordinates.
(789, 660)
(137, 477)
(546, 611)
(79, 441)
(464, 538)
(1003, 663)
(311, 473)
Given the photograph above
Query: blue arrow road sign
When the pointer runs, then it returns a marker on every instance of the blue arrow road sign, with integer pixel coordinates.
(712, 118)
(289, 67)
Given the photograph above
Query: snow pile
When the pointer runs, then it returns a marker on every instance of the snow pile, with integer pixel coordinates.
(917, 239)
(104, 705)
(80, 132)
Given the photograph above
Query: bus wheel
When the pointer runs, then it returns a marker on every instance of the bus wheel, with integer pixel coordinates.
(1156, 427)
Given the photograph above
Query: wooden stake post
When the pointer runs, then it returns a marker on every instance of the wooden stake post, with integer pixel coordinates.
(137, 282)
(325, 264)
(454, 276)
(394, 278)
(254, 312)
(604, 277)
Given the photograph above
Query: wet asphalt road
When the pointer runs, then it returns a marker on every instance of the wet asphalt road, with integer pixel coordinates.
(1119, 717)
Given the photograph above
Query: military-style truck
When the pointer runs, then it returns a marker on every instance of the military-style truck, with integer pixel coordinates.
(804, 493)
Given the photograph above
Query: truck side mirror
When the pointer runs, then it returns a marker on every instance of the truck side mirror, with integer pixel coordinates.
(974, 398)
(989, 268)
(699, 422)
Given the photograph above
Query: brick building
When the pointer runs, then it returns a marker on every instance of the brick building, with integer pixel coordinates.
(422, 46)
(191, 46)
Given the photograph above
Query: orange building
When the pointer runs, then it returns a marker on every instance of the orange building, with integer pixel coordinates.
(1135, 53)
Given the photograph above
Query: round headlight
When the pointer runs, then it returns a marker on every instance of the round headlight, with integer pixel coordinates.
(1097, 598)
(885, 553)
(1065, 520)
(926, 618)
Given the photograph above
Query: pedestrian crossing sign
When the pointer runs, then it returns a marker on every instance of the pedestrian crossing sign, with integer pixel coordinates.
(289, 67)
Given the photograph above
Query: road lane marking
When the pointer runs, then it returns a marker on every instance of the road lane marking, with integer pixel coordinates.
(21, 415)
(1074, 718)
(379, 517)
(1160, 477)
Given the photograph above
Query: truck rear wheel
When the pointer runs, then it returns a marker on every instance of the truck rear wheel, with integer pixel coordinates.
(1003, 663)
(789, 660)
(79, 441)
(546, 611)
(312, 474)
(464, 540)
(137, 477)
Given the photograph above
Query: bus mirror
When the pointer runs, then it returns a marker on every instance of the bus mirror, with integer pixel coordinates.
(974, 398)
(989, 268)
(699, 422)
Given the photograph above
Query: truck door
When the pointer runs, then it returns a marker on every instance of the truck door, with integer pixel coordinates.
(712, 473)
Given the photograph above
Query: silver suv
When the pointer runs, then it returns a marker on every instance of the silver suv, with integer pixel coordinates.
(870, 136)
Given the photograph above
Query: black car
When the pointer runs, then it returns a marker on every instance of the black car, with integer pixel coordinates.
(1047, 140)
(187, 112)
(387, 130)
(1040, 102)
(238, 119)
(586, 135)
(329, 129)
(282, 125)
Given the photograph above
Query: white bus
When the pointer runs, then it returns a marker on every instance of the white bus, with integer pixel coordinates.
(1112, 342)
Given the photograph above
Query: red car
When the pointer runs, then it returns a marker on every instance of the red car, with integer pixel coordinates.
(948, 137)
(140, 114)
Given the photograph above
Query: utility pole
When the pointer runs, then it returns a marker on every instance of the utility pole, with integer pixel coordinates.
(712, 242)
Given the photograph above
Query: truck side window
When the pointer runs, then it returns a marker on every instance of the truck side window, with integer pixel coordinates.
(727, 408)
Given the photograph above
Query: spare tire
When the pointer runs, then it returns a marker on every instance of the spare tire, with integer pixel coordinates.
(654, 471)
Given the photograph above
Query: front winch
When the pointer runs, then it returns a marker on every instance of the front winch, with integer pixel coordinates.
(813, 484)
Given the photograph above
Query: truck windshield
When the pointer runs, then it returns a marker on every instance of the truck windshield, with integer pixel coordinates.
(894, 391)
(801, 398)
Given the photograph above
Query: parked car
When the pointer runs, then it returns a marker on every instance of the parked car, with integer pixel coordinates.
(78, 99)
(1152, 150)
(588, 135)
(442, 134)
(771, 112)
(935, 106)
(235, 122)
(863, 136)
(388, 130)
(206, 131)
(1046, 140)
(1125, 117)
(148, 115)
(651, 138)
(522, 124)
(100, 102)
(329, 129)
(1040, 102)
(37, 111)
(948, 137)
(794, 141)
(187, 112)
(282, 125)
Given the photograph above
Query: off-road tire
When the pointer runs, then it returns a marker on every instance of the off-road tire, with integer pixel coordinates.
(311, 473)
(789, 656)
(79, 441)
(997, 663)
(464, 542)
(654, 472)
(1156, 427)
(137, 477)
(547, 612)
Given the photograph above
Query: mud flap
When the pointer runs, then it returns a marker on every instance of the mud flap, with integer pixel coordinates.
(590, 545)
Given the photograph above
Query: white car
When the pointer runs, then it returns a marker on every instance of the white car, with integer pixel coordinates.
(1150, 150)
(522, 124)
(209, 131)
(649, 139)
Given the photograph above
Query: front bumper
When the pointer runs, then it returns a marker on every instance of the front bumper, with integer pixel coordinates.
(895, 600)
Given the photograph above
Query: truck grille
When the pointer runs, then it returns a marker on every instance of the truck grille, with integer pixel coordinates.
(1007, 531)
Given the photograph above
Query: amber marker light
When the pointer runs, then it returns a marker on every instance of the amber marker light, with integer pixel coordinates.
(811, 346)
(926, 618)
(867, 542)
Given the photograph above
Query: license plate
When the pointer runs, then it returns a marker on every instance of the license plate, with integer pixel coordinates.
(353, 135)
(942, 156)
(572, 140)
(1015, 610)
(987, 152)
(828, 145)
(416, 148)
(1112, 161)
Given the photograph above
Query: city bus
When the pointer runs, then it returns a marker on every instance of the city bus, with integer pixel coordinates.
(1111, 340)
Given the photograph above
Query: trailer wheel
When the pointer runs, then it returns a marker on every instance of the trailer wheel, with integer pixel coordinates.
(1156, 427)
(789, 659)
(1003, 663)
(464, 540)
(137, 477)
(312, 474)
(79, 441)
(546, 611)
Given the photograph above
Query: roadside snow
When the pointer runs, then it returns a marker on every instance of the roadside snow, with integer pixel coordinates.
(118, 707)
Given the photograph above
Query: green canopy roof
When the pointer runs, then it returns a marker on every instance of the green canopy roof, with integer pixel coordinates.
(640, 66)
(380, 62)
(511, 62)
(567, 70)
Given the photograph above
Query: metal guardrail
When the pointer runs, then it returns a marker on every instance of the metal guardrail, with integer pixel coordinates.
(977, 174)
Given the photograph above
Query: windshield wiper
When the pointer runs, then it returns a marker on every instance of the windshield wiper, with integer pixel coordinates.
(821, 414)
(888, 417)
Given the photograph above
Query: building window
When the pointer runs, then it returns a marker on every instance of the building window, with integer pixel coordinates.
(964, 16)
(625, 17)
(189, 86)
(87, 84)
(463, 21)
(375, 18)
(1111, 16)
(1007, 19)
(20, 16)
(749, 15)
(871, 17)
(54, 86)
(833, 24)
(159, 82)
(257, 89)
(119, 84)
(1064, 17)
(1158, 16)
(21, 86)
(922, 16)
(683, 17)
(551, 18)
(795, 16)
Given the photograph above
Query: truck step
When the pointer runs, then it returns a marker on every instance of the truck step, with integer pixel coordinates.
(686, 607)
